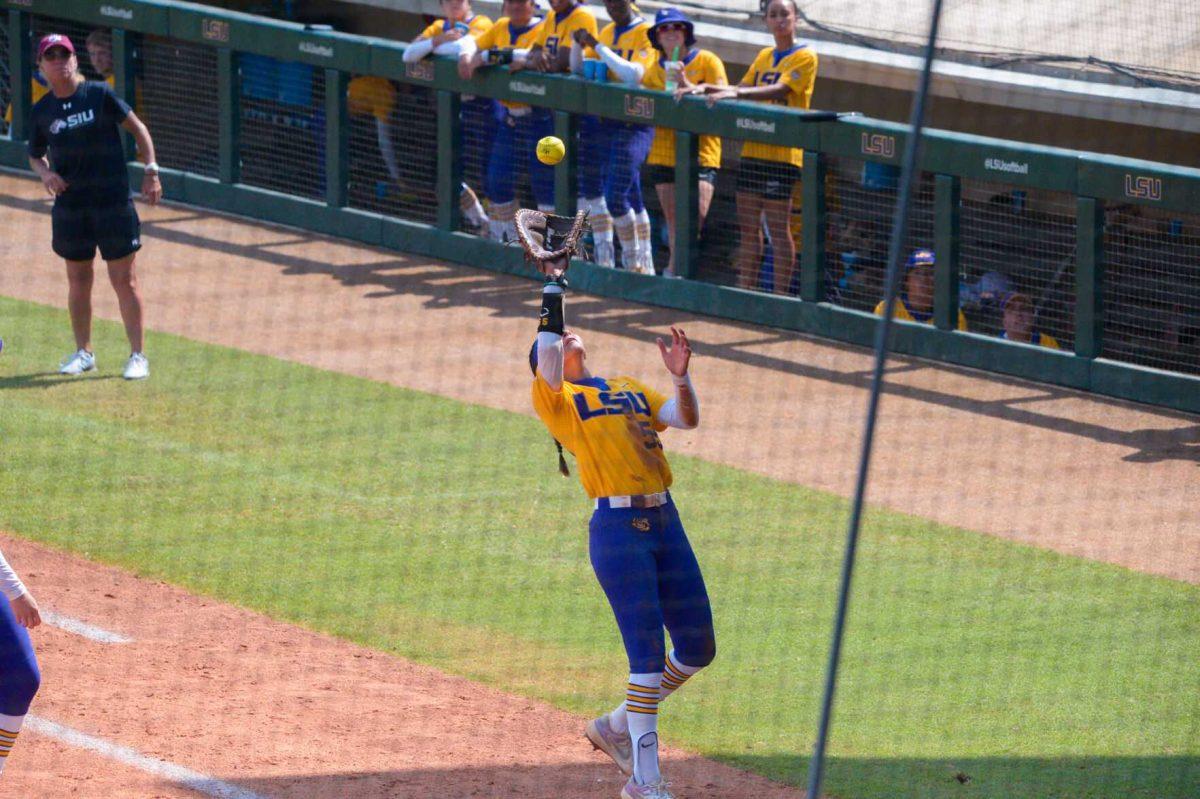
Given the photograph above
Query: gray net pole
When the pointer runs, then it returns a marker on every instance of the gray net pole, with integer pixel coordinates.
(908, 177)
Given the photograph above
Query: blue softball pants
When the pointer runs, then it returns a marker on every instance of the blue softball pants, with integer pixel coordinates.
(629, 145)
(513, 153)
(19, 674)
(646, 566)
(479, 126)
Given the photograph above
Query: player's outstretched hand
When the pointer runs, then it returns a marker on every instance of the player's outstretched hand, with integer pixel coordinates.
(677, 356)
(54, 183)
(26, 611)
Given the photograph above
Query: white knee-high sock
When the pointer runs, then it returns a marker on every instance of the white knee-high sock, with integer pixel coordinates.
(641, 705)
(10, 726)
(501, 224)
(602, 229)
(645, 246)
(626, 234)
(674, 675)
(471, 209)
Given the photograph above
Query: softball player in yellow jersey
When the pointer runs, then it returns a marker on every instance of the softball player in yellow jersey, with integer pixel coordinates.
(673, 33)
(637, 545)
(612, 152)
(783, 75)
(508, 42)
(454, 35)
(915, 303)
(552, 50)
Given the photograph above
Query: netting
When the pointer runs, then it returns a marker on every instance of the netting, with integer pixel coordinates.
(176, 95)
(5, 84)
(1152, 288)
(860, 200)
(397, 123)
(1015, 241)
(282, 135)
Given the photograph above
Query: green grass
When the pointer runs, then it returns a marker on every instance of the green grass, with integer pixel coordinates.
(439, 531)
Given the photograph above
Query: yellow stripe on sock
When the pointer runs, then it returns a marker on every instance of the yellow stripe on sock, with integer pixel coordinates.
(643, 711)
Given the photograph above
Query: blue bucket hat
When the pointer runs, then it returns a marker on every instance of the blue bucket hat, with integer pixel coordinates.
(919, 258)
(666, 16)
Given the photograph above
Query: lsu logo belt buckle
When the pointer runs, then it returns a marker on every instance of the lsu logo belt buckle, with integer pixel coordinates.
(641, 523)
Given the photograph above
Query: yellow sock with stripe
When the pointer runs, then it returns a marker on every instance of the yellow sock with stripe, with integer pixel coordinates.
(641, 707)
(10, 727)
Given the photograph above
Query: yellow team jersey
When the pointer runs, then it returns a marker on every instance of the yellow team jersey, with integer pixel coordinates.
(611, 427)
(700, 66)
(505, 34)
(38, 90)
(558, 31)
(798, 69)
(372, 95)
(631, 42)
(477, 25)
(905, 315)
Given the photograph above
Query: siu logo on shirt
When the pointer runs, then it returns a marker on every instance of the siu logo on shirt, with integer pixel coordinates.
(72, 121)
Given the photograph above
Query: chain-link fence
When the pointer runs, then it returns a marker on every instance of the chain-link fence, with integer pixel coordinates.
(1152, 288)
(392, 148)
(177, 99)
(282, 133)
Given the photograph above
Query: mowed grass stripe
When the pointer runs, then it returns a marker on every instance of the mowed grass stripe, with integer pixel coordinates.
(439, 531)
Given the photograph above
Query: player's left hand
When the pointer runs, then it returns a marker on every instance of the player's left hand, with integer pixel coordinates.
(585, 38)
(151, 188)
(677, 356)
(26, 611)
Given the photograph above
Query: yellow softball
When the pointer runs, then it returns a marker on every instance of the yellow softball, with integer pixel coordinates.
(550, 150)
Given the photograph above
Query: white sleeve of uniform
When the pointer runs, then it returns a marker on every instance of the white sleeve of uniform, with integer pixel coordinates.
(550, 359)
(10, 583)
(464, 46)
(576, 58)
(627, 72)
(670, 415)
(417, 50)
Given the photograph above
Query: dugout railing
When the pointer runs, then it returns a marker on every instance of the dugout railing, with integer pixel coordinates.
(219, 48)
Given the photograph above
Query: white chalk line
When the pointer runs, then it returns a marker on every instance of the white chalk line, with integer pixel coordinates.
(83, 628)
(193, 780)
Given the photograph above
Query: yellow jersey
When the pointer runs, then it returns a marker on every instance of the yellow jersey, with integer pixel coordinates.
(611, 427)
(368, 94)
(38, 89)
(631, 42)
(700, 66)
(903, 313)
(558, 31)
(797, 68)
(505, 34)
(476, 26)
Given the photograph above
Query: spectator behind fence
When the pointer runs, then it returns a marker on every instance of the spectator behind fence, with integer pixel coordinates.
(915, 303)
(688, 68)
(1020, 322)
(375, 97)
(612, 152)
(508, 42)
(783, 75)
(455, 35)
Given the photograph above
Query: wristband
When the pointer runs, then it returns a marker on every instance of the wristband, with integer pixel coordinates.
(151, 168)
(551, 317)
(681, 381)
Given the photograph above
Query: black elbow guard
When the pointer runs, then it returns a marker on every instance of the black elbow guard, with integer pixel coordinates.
(551, 320)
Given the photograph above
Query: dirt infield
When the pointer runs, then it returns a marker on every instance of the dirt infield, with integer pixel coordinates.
(284, 712)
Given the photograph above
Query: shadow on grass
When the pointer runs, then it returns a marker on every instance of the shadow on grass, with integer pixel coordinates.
(848, 778)
(46, 380)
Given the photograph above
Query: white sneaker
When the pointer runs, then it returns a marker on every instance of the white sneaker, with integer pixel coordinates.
(605, 253)
(77, 363)
(137, 367)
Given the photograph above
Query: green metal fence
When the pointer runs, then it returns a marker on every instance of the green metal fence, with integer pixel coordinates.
(188, 67)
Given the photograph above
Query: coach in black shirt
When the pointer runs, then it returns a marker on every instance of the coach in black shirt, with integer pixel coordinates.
(76, 124)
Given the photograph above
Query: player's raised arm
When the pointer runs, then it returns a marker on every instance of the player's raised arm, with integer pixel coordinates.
(682, 410)
(550, 334)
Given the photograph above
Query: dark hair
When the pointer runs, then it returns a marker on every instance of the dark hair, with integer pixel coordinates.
(562, 461)
(764, 5)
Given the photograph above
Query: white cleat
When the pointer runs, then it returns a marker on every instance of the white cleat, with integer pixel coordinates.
(137, 367)
(77, 363)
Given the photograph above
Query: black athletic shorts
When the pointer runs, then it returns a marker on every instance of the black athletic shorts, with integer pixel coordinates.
(771, 180)
(659, 174)
(114, 229)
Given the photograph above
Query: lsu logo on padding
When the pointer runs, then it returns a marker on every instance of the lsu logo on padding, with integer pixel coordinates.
(638, 106)
(879, 144)
(1143, 188)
